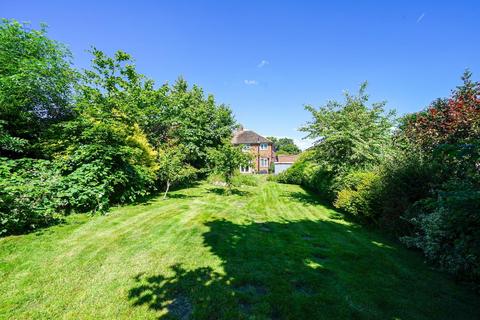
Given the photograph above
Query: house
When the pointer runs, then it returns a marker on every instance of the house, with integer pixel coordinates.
(283, 162)
(259, 147)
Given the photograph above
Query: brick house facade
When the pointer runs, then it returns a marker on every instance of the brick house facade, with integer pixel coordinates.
(259, 147)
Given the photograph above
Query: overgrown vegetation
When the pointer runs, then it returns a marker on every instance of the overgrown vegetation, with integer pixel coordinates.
(81, 141)
(419, 180)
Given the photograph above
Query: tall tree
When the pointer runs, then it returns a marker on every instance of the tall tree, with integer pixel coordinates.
(196, 121)
(104, 147)
(36, 79)
(351, 134)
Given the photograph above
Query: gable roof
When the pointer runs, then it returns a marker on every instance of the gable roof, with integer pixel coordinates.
(248, 136)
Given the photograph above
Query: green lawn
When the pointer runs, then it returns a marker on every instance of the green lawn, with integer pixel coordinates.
(267, 252)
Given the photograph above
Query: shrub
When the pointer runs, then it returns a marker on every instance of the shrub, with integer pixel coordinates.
(404, 179)
(244, 180)
(272, 177)
(310, 174)
(238, 180)
(28, 190)
(448, 229)
(356, 196)
(97, 176)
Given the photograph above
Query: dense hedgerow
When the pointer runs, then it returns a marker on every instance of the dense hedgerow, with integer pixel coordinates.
(423, 185)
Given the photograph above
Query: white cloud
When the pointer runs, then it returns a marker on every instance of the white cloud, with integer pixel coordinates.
(250, 82)
(420, 18)
(262, 63)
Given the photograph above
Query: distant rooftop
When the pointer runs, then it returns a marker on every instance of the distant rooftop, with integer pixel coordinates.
(248, 136)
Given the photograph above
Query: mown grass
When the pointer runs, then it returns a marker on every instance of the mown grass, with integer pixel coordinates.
(264, 252)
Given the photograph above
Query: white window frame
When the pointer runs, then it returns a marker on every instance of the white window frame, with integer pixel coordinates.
(264, 161)
(246, 147)
(245, 169)
(263, 146)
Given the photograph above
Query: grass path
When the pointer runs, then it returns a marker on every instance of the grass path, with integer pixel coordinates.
(266, 252)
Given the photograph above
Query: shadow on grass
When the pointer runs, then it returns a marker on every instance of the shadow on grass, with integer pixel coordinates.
(44, 229)
(294, 270)
(309, 197)
(151, 197)
(227, 192)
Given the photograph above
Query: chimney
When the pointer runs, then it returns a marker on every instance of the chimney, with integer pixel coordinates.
(239, 128)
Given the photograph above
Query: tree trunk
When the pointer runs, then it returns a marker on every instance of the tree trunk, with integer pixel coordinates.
(166, 191)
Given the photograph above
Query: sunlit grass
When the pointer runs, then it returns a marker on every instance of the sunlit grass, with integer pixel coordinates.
(265, 252)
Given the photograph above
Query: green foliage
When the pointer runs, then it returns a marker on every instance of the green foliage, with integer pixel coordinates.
(173, 168)
(227, 160)
(448, 229)
(36, 81)
(420, 181)
(111, 137)
(240, 180)
(351, 135)
(406, 177)
(284, 145)
(308, 172)
(9, 143)
(355, 196)
(108, 157)
(445, 222)
(28, 190)
(190, 118)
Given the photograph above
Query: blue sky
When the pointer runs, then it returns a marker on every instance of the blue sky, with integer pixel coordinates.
(266, 59)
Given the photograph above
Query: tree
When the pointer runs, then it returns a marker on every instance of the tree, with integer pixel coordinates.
(228, 159)
(189, 117)
(104, 150)
(446, 220)
(36, 80)
(284, 145)
(351, 134)
(172, 166)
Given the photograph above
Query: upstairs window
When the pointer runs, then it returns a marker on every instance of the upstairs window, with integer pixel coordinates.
(246, 147)
(263, 146)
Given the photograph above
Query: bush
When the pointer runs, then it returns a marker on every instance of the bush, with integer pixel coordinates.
(272, 178)
(238, 180)
(97, 176)
(448, 229)
(404, 179)
(356, 196)
(310, 174)
(244, 180)
(28, 191)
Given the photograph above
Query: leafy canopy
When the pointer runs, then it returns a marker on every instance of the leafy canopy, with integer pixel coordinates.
(351, 134)
(284, 145)
(36, 81)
